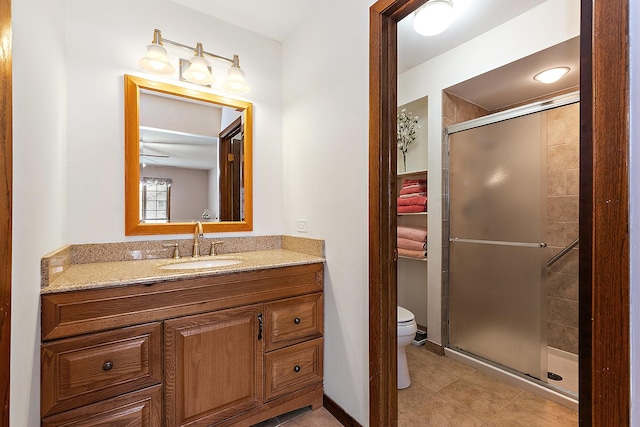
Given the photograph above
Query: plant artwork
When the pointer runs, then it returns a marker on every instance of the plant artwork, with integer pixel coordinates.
(407, 125)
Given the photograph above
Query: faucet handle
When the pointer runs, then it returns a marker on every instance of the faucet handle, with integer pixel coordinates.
(213, 247)
(176, 250)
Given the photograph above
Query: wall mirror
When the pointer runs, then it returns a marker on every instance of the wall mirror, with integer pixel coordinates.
(187, 158)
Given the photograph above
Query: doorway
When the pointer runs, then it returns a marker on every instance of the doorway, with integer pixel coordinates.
(604, 251)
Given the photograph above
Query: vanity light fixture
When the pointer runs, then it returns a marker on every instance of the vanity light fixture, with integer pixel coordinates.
(551, 75)
(433, 17)
(196, 70)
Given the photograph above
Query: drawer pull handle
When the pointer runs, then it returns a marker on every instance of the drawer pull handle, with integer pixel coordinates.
(296, 321)
(260, 327)
(107, 366)
(297, 368)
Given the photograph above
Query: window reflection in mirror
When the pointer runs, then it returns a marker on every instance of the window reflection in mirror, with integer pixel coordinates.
(197, 141)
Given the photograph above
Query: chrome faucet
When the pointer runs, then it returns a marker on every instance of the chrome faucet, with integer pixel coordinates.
(197, 233)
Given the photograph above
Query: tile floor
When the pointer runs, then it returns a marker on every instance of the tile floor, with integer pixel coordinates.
(303, 417)
(445, 392)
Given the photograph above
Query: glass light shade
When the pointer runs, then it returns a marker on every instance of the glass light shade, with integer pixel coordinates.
(198, 72)
(433, 18)
(156, 60)
(235, 81)
(551, 75)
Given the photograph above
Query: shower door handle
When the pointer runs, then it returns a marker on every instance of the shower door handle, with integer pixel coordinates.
(500, 242)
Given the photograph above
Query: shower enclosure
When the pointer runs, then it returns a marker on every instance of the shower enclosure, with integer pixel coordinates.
(496, 193)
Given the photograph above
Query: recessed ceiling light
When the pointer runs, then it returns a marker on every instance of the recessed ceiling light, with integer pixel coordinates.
(433, 17)
(551, 75)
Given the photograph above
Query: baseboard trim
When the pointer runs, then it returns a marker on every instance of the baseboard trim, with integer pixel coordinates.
(434, 348)
(339, 413)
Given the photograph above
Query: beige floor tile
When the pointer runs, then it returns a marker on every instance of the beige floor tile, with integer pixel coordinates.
(494, 385)
(467, 396)
(432, 378)
(546, 409)
(435, 412)
(516, 416)
(318, 418)
(409, 397)
(404, 420)
(444, 362)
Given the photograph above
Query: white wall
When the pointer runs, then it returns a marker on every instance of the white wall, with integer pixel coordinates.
(634, 186)
(104, 40)
(326, 179)
(546, 25)
(39, 178)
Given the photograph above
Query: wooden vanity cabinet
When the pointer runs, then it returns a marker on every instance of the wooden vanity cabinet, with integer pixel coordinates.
(226, 350)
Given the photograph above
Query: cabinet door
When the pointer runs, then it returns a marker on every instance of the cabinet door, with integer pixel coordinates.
(213, 366)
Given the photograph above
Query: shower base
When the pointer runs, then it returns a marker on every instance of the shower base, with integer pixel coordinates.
(560, 395)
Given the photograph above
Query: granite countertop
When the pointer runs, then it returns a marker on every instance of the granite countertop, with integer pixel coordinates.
(122, 273)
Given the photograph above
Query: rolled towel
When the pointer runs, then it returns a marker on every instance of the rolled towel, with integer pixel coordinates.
(413, 233)
(412, 254)
(416, 200)
(412, 209)
(413, 245)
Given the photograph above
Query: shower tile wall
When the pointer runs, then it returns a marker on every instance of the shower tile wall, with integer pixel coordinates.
(563, 132)
(458, 110)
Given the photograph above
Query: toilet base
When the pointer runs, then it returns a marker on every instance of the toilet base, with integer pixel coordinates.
(404, 380)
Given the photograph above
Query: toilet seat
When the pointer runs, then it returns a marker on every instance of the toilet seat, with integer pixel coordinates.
(404, 316)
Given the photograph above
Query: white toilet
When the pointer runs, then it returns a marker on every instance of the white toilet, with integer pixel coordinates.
(406, 333)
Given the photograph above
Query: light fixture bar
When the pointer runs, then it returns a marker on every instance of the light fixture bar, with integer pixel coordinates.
(175, 43)
(197, 70)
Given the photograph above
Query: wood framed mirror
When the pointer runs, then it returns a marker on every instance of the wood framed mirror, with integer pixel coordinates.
(188, 158)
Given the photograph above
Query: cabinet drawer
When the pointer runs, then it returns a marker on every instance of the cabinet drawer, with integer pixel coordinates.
(141, 408)
(293, 320)
(293, 368)
(89, 368)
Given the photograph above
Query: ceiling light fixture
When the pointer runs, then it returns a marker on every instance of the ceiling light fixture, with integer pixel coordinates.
(433, 17)
(197, 70)
(551, 75)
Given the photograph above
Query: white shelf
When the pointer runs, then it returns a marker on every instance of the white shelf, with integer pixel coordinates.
(413, 213)
(411, 173)
(412, 258)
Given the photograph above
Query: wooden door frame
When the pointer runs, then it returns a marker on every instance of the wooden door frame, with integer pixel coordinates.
(6, 177)
(604, 212)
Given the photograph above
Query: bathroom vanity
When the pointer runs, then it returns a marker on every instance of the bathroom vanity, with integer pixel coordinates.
(230, 346)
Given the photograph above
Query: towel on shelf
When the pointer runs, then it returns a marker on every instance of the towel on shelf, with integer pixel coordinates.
(414, 200)
(412, 209)
(410, 195)
(413, 189)
(412, 254)
(410, 186)
(414, 245)
(412, 233)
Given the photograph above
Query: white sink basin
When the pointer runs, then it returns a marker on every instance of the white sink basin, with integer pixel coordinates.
(201, 264)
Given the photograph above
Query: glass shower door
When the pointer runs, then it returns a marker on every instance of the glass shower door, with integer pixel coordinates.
(497, 265)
